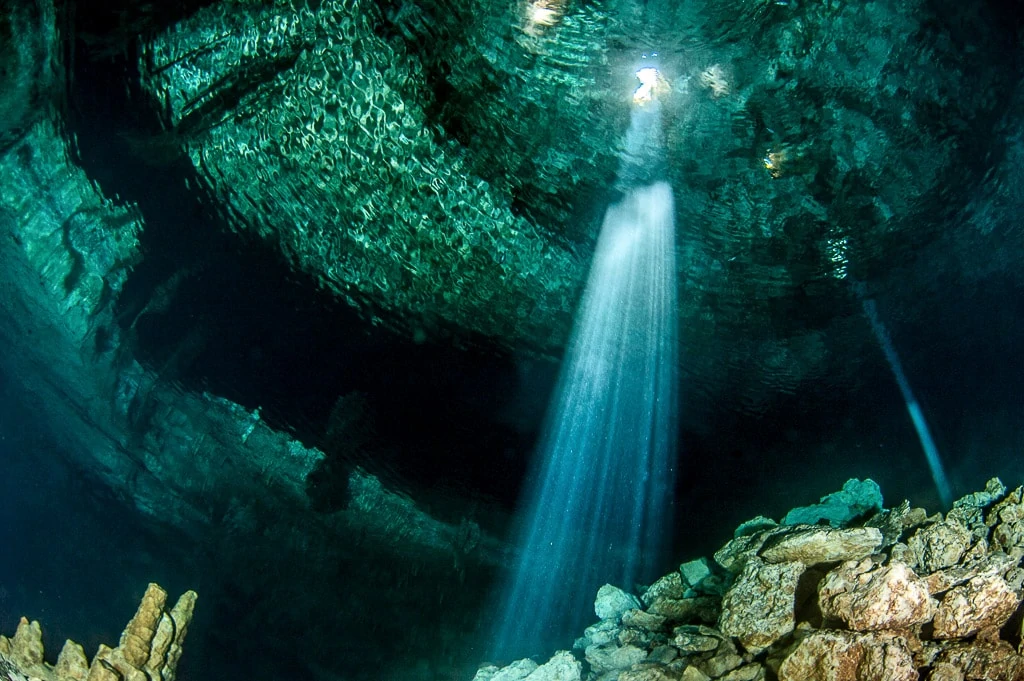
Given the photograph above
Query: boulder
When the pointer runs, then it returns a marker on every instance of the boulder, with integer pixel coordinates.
(612, 602)
(561, 667)
(983, 601)
(759, 607)
(849, 656)
(867, 596)
(815, 545)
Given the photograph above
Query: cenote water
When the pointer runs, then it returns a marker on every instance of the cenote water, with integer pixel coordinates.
(598, 506)
(924, 434)
(394, 330)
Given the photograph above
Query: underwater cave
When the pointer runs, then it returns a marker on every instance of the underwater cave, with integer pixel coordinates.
(397, 330)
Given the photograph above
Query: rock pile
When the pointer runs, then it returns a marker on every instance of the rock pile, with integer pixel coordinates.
(150, 647)
(865, 594)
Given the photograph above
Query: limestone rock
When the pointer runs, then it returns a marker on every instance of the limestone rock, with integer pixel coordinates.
(612, 656)
(27, 645)
(604, 631)
(720, 664)
(814, 545)
(561, 667)
(72, 664)
(682, 610)
(944, 671)
(663, 654)
(151, 643)
(648, 673)
(894, 522)
(937, 546)
(754, 526)
(173, 630)
(137, 638)
(847, 656)
(669, 586)
(150, 646)
(984, 661)
(695, 571)
(881, 603)
(694, 674)
(972, 510)
(983, 601)
(696, 639)
(643, 620)
(857, 498)
(993, 492)
(1007, 521)
(612, 602)
(733, 556)
(759, 608)
(701, 578)
(750, 672)
(634, 636)
(867, 596)
(992, 564)
(516, 671)
(8, 671)
(486, 672)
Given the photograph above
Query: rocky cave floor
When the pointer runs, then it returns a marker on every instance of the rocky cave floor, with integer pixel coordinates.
(839, 591)
(842, 590)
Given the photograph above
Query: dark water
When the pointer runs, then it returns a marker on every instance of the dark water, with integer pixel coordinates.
(784, 390)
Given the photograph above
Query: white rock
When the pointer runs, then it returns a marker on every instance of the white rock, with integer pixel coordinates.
(516, 671)
(611, 656)
(561, 667)
(612, 602)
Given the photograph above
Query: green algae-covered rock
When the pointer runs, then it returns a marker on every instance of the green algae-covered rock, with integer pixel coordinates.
(857, 499)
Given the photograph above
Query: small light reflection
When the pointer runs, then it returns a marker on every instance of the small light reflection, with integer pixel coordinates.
(542, 14)
(652, 85)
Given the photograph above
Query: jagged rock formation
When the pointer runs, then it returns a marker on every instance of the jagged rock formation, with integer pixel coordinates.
(150, 647)
(895, 595)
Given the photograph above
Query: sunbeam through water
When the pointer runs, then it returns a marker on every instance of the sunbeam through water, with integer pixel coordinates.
(924, 435)
(597, 507)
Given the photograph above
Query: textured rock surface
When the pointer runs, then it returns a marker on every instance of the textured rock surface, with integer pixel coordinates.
(150, 646)
(517, 671)
(857, 498)
(984, 601)
(846, 656)
(867, 596)
(612, 602)
(814, 545)
(393, 210)
(1007, 522)
(872, 619)
(939, 546)
(561, 667)
(759, 608)
(983, 661)
(614, 657)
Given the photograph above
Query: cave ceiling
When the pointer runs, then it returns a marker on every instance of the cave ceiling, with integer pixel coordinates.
(443, 166)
